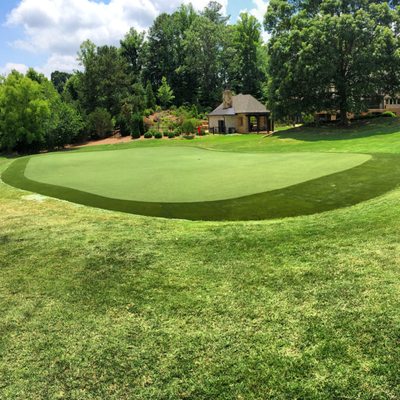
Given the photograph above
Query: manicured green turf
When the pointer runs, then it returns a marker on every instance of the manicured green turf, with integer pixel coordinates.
(106, 305)
(179, 174)
(373, 178)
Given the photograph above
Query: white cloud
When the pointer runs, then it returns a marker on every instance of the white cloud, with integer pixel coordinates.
(58, 62)
(6, 69)
(260, 9)
(58, 27)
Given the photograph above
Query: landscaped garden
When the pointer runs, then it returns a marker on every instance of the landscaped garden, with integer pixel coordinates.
(102, 304)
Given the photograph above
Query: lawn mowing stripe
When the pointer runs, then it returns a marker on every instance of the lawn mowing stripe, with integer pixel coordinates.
(371, 179)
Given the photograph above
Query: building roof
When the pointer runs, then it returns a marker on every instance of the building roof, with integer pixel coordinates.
(241, 104)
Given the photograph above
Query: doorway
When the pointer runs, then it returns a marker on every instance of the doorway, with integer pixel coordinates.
(221, 126)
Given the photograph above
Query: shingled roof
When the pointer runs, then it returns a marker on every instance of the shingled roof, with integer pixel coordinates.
(241, 104)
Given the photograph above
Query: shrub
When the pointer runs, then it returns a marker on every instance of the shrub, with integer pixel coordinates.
(389, 114)
(123, 121)
(152, 131)
(100, 123)
(158, 135)
(189, 137)
(171, 135)
(148, 112)
(137, 124)
(136, 135)
(68, 127)
(166, 133)
(148, 135)
(177, 132)
(189, 126)
(308, 118)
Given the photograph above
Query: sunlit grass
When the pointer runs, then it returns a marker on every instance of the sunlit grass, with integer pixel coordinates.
(104, 305)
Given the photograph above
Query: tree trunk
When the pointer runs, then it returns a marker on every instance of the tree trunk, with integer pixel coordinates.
(344, 120)
(342, 92)
(342, 88)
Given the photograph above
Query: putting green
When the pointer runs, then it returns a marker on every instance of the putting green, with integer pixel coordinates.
(196, 184)
(186, 174)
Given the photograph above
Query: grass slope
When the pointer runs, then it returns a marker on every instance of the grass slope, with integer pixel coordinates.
(97, 304)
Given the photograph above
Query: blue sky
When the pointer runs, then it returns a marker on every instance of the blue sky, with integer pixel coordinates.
(45, 34)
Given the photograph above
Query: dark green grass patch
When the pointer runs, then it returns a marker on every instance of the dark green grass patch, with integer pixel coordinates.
(371, 179)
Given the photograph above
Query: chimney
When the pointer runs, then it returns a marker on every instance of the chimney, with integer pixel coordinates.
(227, 99)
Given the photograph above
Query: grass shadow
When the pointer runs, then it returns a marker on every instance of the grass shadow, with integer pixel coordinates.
(331, 132)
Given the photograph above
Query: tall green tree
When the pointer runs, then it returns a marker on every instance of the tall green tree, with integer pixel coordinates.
(213, 12)
(165, 93)
(24, 113)
(104, 81)
(150, 97)
(86, 81)
(204, 44)
(166, 56)
(59, 79)
(132, 49)
(249, 62)
(161, 52)
(183, 78)
(331, 55)
(36, 76)
(69, 124)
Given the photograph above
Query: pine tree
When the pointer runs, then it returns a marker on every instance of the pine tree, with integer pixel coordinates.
(150, 98)
(165, 93)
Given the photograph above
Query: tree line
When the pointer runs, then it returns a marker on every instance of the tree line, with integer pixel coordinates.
(329, 55)
(186, 58)
(332, 55)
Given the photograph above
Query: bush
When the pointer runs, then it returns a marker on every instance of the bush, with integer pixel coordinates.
(136, 135)
(389, 114)
(148, 135)
(137, 124)
(171, 135)
(189, 137)
(122, 121)
(189, 126)
(166, 133)
(100, 123)
(158, 135)
(177, 132)
(148, 112)
(308, 118)
(152, 131)
(67, 129)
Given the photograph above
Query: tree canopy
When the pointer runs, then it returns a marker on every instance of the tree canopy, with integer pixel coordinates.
(323, 55)
(331, 55)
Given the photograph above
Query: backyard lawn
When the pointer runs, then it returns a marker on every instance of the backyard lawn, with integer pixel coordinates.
(99, 304)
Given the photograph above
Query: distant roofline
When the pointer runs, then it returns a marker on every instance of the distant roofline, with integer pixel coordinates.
(220, 111)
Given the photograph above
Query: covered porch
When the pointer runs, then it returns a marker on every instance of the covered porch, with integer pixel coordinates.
(258, 122)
